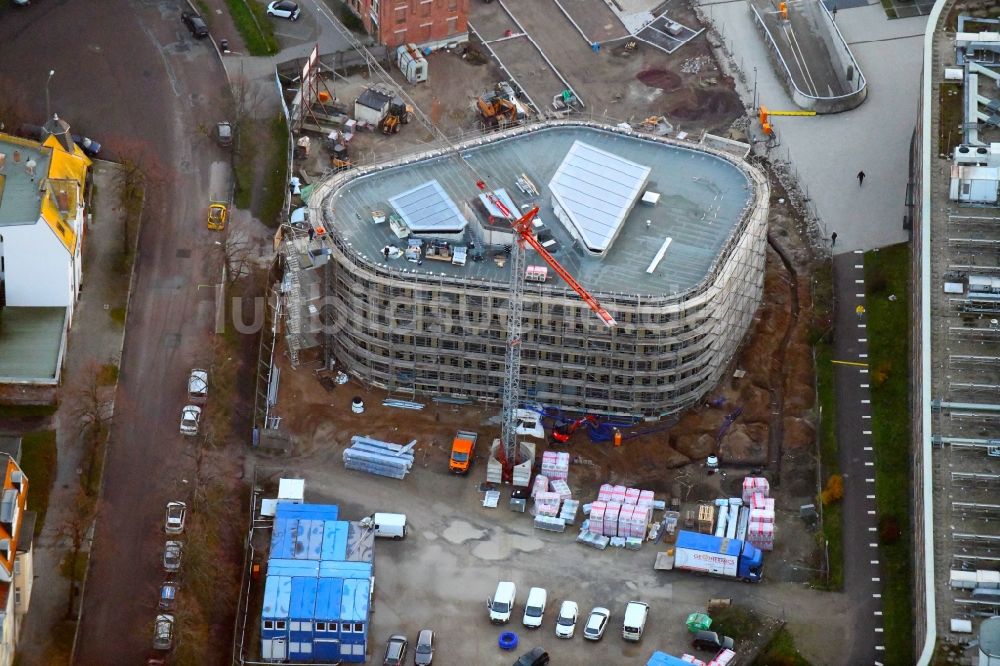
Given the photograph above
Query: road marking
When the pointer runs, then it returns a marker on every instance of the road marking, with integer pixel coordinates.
(862, 339)
(878, 629)
(866, 432)
(866, 401)
(865, 371)
(859, 364)
(859, 265)
(866, 416)
(860, 295)
(871, 513)
(868, 448)
(870, 496)
(876, 580)
(858, 251)
(874, 561)
(862, 325)
(862, 355)
(870, 480)
(878, 612)
(880, 647)
(872, 529)
(865, 386)
(859, 282)
(876, 595)
(869, 464)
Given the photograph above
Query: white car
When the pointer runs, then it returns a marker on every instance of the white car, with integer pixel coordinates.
(176, 513)
(596, 623)
(283, 9)
(566, 622)
(198, 385)
(190, 420)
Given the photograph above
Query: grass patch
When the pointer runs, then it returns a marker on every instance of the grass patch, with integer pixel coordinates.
(38, 460)
(739, 622)
(117, 315)
(887, 273)
(952, 117)
(27, 411)
(251, 20)
(107, 375)
(831, 536)
(243, 162)
(276, 182)
(781, 651)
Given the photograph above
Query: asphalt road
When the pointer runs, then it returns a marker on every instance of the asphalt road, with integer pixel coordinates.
(128, 74)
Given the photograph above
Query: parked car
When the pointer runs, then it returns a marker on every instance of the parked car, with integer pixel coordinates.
(190, 420)
(168, 596)
(90, 147)
(163, 632)
(534, 607)
(596, 623)
(423, 651)
(566, 622)
(195, 23)
(535, 657)
(176, 514)
(395, 651)
(283, 9)
(709, 640)
(172, 556)
(198, 386)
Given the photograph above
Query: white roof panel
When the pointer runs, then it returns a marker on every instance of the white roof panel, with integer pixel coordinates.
(597, 190)
(427, 209)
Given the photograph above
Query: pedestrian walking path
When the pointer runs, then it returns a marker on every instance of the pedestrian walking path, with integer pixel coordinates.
(862, 577)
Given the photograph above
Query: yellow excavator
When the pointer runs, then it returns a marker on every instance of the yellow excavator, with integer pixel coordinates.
(496, 110)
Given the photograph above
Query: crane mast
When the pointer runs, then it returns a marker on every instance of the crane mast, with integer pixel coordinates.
(523, 235)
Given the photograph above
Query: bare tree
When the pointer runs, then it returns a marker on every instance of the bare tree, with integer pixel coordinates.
(91, 405)
(75, 528)
(237, 254)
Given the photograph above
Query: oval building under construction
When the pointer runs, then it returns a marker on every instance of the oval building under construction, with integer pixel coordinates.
(669, 236)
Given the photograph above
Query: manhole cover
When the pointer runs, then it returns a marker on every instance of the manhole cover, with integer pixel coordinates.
(171, 340)
(183, 254)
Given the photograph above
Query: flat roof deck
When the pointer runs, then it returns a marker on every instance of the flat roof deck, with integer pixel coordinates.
(30, 343)
(702, 197)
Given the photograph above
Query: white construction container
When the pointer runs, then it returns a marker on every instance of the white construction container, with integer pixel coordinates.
(411, 63)
(962, 580)
(988, 579)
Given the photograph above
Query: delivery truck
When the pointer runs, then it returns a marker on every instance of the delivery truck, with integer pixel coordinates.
(712, 555)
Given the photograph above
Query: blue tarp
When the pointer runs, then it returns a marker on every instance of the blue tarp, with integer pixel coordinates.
(664, 659)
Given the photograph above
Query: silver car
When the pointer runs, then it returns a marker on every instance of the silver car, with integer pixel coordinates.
(176, 515)
(163, 632)
(172, 556)
(596, 623)
(190, 420)
(423, 653)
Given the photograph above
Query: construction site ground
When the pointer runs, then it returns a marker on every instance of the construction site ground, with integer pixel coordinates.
(768, 396)
(687, 87)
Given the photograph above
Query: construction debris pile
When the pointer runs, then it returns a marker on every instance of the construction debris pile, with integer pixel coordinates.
(377, 457)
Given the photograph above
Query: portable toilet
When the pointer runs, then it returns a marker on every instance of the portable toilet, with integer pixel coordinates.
(411, 63)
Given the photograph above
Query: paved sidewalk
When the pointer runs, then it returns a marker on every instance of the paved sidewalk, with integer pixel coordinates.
(857, 461)
(94, 340)
(826, 152)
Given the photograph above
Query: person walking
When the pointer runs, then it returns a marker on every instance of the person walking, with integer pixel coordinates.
(861, 178)
(833, 239)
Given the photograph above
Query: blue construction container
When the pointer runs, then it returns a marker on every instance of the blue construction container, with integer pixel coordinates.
(664, 659)
(316, 602)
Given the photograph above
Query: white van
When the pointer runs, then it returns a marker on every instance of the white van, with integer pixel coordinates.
(635, 620)
(534, 607)
(388, 525)
(502, 604)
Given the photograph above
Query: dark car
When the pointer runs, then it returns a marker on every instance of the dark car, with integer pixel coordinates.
(423, 651)
(395, 651)
(195, 23)
(536, 657)
(709, 640)
(168, 596)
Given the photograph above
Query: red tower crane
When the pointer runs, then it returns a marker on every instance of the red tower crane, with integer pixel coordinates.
(523, 236)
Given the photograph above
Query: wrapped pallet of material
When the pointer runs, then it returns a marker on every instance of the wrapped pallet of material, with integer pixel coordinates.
(758, 501)
(647, 495)
(540, 485)
(569, 510)
(625, 521)
(618, 494)
(604, 494)
(640, 520)
(596, 517)
(755, 484)
(561, 488)
(611, 519)
(691, 659)
(761, 535)
(761, 516)
(724, 658)
(631, 496)
(550, 523)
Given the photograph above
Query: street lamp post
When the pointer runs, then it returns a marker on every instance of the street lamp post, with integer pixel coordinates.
(48, 111)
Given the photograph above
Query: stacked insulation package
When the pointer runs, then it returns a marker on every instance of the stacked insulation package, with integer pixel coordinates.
(555, 465)
(760, 531)
(546, 504)
(540, 485)
(621, 512)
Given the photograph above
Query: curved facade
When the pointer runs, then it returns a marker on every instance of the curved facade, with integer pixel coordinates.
(440, 329)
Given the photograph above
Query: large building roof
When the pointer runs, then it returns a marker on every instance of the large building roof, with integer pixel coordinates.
(596, 190)
(703, 198)
(19, 200)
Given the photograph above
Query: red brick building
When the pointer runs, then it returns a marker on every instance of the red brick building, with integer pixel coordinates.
(422, 22)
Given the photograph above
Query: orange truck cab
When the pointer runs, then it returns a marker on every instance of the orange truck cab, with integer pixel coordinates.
(462, 449)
